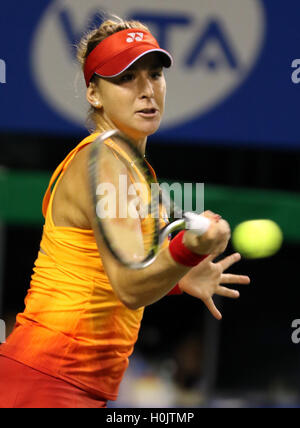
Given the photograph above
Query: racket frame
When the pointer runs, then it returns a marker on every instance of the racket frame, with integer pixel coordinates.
(199, 224)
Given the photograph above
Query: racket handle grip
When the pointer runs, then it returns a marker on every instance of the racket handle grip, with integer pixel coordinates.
(198, 224)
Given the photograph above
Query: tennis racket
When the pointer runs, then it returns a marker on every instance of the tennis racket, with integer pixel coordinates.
(129, 205)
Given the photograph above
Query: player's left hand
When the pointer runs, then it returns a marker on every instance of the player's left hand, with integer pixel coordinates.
(205, 279)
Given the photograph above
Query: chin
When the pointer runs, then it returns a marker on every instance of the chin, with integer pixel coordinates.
(150, 129)
(141, 130)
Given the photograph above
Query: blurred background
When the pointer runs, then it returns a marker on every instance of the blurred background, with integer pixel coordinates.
(232, 122)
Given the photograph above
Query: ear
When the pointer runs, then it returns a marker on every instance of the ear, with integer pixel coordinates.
(93, 96)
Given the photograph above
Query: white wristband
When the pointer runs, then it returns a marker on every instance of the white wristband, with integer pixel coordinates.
(196, 222)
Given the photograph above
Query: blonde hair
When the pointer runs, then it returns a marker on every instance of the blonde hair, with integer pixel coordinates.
(88, 43)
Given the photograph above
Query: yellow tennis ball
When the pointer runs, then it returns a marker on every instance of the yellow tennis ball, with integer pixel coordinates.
(256, 239)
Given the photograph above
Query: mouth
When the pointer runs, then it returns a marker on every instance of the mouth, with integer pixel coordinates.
(148, 112)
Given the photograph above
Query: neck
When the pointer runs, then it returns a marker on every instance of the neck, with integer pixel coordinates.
(140, 142)
(141, 145)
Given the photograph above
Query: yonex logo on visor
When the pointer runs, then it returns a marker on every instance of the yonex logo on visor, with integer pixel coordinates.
(138, 37)
(119, 51)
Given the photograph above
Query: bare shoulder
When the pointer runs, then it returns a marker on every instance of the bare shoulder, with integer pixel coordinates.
(71, 201)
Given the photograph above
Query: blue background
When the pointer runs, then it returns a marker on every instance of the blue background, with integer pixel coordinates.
(263, 112)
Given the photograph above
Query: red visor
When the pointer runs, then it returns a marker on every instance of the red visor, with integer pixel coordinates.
(118, 52)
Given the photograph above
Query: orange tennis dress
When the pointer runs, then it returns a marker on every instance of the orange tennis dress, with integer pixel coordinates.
(73, 327)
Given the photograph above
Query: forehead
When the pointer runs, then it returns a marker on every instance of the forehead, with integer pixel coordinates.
(148, 61)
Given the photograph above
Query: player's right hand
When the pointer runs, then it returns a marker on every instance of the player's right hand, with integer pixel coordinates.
(214, 241)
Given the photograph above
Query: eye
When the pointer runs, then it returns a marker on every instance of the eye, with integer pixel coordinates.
(156, 74)
(127, 77)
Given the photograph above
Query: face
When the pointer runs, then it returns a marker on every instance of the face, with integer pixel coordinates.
(134, 101)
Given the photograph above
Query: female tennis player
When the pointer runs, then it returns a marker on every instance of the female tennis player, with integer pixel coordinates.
(70, 346)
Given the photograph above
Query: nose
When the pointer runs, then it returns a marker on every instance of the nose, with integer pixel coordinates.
(145, 86)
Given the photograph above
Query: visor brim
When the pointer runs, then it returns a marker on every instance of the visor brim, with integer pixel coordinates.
(125, 59)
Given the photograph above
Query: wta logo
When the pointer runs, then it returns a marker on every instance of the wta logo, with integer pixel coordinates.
(215, 47)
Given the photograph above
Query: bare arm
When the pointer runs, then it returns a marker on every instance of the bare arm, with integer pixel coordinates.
(138, 288)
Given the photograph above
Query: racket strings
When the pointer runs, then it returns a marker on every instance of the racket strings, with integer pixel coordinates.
(136, 172)
(132, 240)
